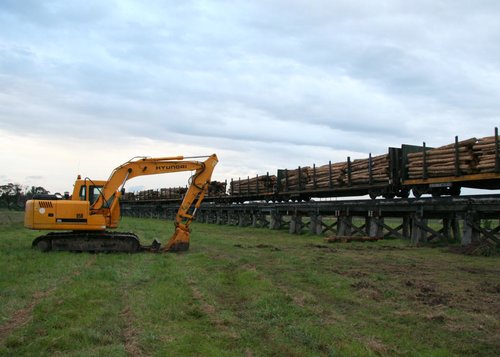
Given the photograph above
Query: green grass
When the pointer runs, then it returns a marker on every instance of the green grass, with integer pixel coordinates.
(246, 292)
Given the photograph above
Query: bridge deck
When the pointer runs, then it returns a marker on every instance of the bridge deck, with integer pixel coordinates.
(465, 219)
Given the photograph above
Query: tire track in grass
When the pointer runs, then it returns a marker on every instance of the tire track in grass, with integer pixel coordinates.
(24, 315)
(299, 301)
(210, 310)
(212, 314)
(239, 304)
(129, 332)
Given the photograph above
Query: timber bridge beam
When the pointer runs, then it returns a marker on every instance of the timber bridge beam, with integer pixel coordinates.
(465, 219)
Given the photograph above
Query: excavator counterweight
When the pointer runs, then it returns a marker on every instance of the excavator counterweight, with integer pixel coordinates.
(84, 219)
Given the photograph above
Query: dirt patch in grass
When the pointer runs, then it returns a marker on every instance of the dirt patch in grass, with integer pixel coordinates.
(129, 333)
(478, 248)
(362, 284)
(321, 247)
(369, 246)
(259, 246)
(428, 294)
(210, 311)
(205, 307)
(480, 271)
(352, 273)
(368, 290)
(489, 287)
(377, 346)
(24, 315)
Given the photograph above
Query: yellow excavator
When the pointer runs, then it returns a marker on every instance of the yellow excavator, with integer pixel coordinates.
(94, 207)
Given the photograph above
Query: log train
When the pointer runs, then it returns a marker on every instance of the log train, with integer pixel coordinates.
(471, 163)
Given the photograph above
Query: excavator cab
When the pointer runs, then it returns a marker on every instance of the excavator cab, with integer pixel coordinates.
(55, 213)
(87, 190)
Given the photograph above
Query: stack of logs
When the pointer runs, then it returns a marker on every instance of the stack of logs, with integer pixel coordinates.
(485, 150)
(216, 189)
(129, 196)
(360, 170)
(166, 193)
(441, 161)
(319, 177)
(296, 180)
(322, 174)
(469, 156)
(258, 184)
(173, 192)
(148, 195)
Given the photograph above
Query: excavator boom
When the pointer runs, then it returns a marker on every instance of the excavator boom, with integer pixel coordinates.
(94, 208)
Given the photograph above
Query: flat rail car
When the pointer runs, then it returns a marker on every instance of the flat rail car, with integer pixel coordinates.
(416, 169)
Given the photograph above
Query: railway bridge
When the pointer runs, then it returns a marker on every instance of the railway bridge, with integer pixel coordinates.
(465, 219)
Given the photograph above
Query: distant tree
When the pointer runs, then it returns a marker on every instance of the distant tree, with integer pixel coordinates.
(14, 196)
(10, 195)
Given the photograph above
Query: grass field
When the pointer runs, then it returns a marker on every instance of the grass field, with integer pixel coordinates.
(246, 292)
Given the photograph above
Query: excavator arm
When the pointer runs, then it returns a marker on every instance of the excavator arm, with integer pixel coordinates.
(150, 166)
(107, 203)
(198, 187)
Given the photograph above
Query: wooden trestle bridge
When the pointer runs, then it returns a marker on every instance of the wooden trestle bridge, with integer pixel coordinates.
(465, 219)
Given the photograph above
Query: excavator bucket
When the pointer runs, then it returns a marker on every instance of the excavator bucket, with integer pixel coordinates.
(179, 241)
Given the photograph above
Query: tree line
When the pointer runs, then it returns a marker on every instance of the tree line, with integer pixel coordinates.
(13, 196)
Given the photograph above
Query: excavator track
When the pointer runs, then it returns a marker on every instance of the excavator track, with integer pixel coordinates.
(94, 242)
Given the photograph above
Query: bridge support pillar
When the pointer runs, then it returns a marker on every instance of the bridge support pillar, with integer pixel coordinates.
(470, 233)
(296, 224)
(259, 220)
(212, 217)
(406, 227)
(455, 227)
(233, 218)
(244, 219)
(418, 233)
(451, 229)
(199, 217)
(316, 224)
(221, 217)
(276, 221)
(344, 225)
(375, 226)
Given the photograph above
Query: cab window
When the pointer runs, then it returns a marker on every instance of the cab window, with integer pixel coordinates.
(95, 191)
(83, 193)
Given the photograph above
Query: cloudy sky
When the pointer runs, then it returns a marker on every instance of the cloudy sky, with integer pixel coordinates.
(86, 85)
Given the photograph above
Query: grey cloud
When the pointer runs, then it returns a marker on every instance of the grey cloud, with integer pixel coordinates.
(319, 74)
